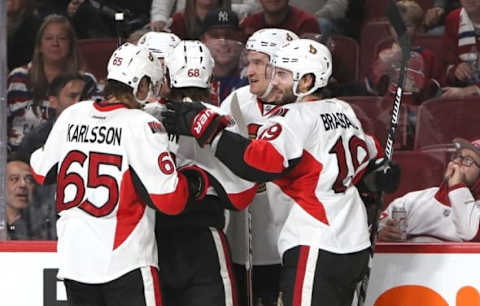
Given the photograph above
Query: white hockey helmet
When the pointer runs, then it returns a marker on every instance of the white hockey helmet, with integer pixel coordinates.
(269, 40)
(159, 43)
(130, 63)
(304, 56)
(190, 64)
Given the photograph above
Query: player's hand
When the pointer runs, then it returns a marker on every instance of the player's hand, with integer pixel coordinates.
(198, 181)
(382, 175)
(463, 72)
(390, 231)
(194, 119)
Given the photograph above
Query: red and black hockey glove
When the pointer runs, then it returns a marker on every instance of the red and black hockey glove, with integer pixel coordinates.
(193, 119)
(198, 181)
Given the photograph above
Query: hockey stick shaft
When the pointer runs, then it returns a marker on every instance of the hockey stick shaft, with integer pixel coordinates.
(397, 22)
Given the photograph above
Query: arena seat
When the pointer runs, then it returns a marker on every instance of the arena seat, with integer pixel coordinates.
(96, 53)
(419, 170)
(372, 32)
(440, 120)
(375, 115)
(346, 56)
(374, 9)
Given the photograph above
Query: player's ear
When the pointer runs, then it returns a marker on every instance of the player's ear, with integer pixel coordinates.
(52, 100)
(306, 82)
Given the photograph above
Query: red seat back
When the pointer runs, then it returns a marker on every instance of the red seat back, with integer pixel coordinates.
(96, 53)
(372, 32)
(375, 115)
(419, 170)
(345, 58)
(440, 120)
(374, 9)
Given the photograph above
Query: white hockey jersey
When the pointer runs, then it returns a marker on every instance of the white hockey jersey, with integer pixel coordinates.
(431, 217)
(187, 152)
(268, 209)
(331, 151)
(110, 162)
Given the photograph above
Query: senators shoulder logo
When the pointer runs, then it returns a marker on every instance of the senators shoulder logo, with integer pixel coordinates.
(156, 127)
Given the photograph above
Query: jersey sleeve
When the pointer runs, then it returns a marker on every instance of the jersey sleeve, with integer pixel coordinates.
(153, 169)
(44, 160)
(274, 153)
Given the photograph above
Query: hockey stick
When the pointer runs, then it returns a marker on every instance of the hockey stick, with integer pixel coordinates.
(237, 115)
(397, 23)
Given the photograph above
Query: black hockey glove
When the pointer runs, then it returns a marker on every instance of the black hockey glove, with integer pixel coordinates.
(198, 181)
(193, 119)
(381, 175)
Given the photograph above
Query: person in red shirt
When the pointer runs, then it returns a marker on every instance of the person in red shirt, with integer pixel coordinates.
(279, 14)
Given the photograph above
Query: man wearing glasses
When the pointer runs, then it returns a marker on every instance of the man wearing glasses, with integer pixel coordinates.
(450, 212)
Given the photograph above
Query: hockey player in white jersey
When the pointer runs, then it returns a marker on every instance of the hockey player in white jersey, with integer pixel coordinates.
(268, 210)
(450, 212)
(113, 170)
(314, 151)
(206, 278)
(160, 44)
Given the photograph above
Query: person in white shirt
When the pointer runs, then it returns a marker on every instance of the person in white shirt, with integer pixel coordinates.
(450, 212)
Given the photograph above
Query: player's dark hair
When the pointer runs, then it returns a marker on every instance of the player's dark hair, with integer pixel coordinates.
(117, 89)
(194, 93)
(60, 81)
(321, 93)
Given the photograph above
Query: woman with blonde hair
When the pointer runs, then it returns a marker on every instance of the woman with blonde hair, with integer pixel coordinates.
(55, 52)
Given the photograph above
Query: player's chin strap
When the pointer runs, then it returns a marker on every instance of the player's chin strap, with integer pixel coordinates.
(267, 91)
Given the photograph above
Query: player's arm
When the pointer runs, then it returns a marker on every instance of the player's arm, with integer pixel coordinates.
(154, 174)
(260, 160)
(44, 160)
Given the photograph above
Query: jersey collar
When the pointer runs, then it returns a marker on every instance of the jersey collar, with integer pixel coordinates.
(266, 108)
(104, 106)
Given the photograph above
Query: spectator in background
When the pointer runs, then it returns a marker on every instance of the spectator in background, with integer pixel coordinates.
(162, 9)
(222, 36)
(425, 72)
(435, 17)
(462, 33)
(55, 53)
(450, 212)
(187, 24)
(279, 14)
(19, 189)
(22, 25)
(65, 90)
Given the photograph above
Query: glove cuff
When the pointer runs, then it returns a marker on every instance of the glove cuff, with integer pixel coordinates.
(206, 125)
(197, 181)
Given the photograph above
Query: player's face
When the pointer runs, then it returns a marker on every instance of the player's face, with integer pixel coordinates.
(20, 184)
(282, 86)
(257, 62)
(70, 94)
(55, 43)
(274, 6)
